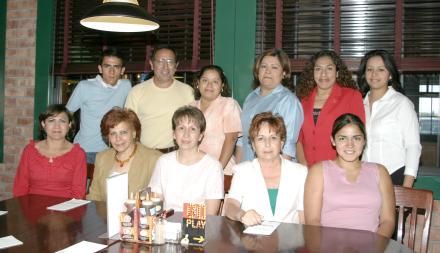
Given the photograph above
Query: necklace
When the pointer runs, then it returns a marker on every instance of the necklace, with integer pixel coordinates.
(121, 163)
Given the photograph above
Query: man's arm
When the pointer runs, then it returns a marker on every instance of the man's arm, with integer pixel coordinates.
(75, 99)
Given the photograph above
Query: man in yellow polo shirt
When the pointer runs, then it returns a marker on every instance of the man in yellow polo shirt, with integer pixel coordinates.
(156, 99)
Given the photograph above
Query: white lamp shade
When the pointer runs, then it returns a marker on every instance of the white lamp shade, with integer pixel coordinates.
(119, 17)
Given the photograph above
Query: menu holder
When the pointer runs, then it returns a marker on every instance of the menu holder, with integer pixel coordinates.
(117, 194)
(194, 223)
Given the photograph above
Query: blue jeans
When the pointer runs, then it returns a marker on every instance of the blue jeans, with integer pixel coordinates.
(91, 157)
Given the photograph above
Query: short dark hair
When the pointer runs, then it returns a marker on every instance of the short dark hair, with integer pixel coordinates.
(117, 115)
(225, 90)
(53, 110)
(111, 52)
(390, 65)
(192, 113)
(167, 47)
(275, 122)
(284, 60)
(347, 119)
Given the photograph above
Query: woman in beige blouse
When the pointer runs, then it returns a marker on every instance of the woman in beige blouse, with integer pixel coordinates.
(122, 129)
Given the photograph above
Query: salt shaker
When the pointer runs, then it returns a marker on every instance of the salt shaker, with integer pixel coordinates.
(159, 231)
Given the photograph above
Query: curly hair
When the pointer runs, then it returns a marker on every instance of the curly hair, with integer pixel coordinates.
(225, 89)
(307, 81)
(283, 58)
(117, 115)
(390, 65)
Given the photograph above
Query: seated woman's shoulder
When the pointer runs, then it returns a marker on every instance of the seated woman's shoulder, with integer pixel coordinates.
(76, 146)
(242, 167)
(78, 150)
(380, 168)
(295, 167)
(316, 168)
(148, 151)
(211, 160)
(109, 151)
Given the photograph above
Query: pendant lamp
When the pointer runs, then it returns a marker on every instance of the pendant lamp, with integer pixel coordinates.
(120, 16)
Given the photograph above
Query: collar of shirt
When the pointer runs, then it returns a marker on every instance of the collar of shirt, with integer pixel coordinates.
(106, 85)
(277, 89)
(387, 96)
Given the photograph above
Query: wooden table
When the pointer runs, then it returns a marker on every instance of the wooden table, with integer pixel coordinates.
(42, 230)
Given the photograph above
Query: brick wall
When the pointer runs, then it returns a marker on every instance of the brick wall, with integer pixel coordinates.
(19, 86)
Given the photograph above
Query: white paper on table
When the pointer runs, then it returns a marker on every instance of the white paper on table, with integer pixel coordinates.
(9, 241)
(3, 212)
(68, 205)
(83, 247)
(117, 194)
(265, 228)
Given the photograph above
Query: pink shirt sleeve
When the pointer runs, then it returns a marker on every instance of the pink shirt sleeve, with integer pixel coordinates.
(232, 122)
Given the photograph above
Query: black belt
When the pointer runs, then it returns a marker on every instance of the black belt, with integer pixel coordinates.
(166, 150)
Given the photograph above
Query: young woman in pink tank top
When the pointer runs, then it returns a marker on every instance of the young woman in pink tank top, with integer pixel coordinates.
(347, 192)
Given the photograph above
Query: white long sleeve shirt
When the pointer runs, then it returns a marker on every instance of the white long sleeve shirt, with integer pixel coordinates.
(393, 135)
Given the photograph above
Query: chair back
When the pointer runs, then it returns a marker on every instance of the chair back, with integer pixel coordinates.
(90, 171)
(413, 200)
(226, 184)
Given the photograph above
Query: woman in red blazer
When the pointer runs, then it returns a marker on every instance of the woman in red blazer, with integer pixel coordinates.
(326, 90)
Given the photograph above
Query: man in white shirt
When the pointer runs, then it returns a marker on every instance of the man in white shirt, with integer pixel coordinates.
(97, 96)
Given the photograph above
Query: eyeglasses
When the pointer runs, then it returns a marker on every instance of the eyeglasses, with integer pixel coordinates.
(163, 62)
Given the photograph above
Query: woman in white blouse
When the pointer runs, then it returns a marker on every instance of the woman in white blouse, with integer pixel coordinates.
(269, 187)
(392, 124)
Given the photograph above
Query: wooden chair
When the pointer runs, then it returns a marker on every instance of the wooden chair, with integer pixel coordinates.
(227, 183)
(413, 199)
(90, 170)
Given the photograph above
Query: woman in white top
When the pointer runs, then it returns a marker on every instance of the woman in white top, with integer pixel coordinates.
(188, 175)
(269, 187)
(392, 124)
